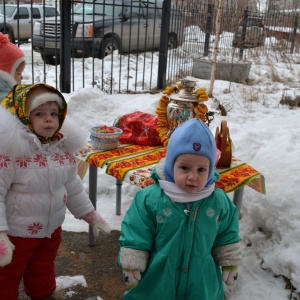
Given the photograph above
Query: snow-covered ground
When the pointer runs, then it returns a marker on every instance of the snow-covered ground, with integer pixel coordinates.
(265, 134)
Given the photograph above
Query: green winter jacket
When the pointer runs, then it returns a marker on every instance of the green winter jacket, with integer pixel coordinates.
(180, 264)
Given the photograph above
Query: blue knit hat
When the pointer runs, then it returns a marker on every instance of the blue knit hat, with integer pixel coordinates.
(194, 137)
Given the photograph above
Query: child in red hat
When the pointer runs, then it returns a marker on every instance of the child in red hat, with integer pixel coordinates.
(12, 64)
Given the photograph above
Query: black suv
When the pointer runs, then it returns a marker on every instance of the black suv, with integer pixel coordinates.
(255, 33)
(102, 26)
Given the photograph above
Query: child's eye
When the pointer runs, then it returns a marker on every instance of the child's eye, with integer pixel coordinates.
(184, 168)
(201, 170)
(54, 114)
(38, 114)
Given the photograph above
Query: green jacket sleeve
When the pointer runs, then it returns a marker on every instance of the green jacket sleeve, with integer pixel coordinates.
(139, 225)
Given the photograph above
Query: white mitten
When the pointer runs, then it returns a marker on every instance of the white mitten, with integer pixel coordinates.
(6, 249)
(131, 278)
(230, 275)
(97, 222)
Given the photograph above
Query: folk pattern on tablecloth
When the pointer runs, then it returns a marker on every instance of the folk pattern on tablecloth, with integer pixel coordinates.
(239, 176)
(120, 169)
(134, 164)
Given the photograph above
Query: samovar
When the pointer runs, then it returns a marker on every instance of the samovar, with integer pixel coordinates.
(180, 107)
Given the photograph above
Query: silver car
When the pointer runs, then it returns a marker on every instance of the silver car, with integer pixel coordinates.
(17, 20)
(99, 27)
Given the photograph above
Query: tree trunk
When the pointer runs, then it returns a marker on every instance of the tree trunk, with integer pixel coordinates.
(216, 49)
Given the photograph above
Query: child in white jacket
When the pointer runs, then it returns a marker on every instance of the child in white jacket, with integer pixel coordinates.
(38, 181)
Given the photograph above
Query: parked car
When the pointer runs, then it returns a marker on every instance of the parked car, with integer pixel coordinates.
(18, 20)
(101, 26)
(255, 33)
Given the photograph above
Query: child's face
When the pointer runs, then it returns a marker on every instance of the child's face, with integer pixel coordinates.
(44, 119)
(18, 74)
(191, 172)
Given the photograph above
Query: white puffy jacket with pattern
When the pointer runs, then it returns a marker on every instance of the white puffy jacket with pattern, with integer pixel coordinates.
(38, 182)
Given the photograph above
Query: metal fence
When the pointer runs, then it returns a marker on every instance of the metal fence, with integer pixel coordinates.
(141, 68)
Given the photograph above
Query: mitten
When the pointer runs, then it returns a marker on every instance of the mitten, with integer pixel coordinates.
(97, 222)
(230, 275)
(6, 249)
(131, 278)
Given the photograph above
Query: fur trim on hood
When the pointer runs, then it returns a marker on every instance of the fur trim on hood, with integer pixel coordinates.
(159, 169)
(76, 137)
(19, 140)
(8, 78)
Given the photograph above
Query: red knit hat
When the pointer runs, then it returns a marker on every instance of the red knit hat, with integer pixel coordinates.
(11, 55)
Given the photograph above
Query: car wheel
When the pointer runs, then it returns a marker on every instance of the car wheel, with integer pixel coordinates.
(11, 36)
(107, 47)
(50, 60)
(172, 41)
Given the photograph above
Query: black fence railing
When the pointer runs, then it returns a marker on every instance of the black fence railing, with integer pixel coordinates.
(124, 46)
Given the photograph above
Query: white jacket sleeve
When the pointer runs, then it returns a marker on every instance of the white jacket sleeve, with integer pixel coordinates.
(5, 183)
(78, 201)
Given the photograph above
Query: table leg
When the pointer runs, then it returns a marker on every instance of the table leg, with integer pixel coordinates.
(118, 196)
(237, 199)
(93, 170)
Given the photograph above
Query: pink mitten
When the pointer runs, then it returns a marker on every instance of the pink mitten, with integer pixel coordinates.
(6, 249)
(230, 275)
(97, 222)
(131, 278)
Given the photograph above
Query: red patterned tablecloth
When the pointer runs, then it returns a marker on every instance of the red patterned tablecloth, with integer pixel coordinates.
(134, 164)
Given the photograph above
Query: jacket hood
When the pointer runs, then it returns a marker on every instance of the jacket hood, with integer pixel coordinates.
(7, 81)
(18, 103)
(158, 172)
(20, 140)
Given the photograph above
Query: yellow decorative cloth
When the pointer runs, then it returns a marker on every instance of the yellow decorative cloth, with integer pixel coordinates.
(119, 169)
(238, 175)
(134, 164)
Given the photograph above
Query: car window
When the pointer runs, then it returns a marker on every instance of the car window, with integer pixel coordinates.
(134, 10)
(83, 8)
(23, 13)
(9, 10)
(36, 13)
(107, 8)
(150, 10)
(51, 12)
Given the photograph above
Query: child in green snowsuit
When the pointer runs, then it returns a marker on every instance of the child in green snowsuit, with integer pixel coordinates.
(179, 238)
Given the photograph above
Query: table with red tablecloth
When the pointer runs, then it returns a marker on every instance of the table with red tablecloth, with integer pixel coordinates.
(134, 163)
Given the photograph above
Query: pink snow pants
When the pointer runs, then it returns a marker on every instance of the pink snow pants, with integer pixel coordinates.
(33, 260)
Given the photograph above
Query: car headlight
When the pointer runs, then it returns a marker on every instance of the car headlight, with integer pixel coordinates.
(37, 29)
(85, 30)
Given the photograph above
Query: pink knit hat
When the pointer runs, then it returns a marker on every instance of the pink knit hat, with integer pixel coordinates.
(11, 55)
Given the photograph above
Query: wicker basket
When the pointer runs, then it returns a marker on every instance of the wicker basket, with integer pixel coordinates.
(105, 141)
